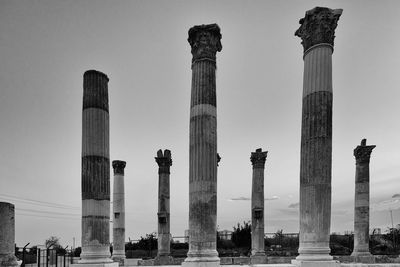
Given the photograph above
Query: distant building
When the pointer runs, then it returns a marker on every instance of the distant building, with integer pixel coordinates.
(225, 235)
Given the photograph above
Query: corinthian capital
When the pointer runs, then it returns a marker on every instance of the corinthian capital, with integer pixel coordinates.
(163, 160)
(362, 153)
(205, 41)
(258, 158)
(119, 166)
(318, 26)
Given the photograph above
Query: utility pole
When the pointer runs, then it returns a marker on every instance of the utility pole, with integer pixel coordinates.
(393, 234)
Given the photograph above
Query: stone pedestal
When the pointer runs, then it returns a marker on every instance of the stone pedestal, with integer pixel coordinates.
(164, 162)
(7, 235)
(118, 254)
(205, 43)
(317, 33)
(361, 253)
(324, 263)
(257, 207)
(95, 170)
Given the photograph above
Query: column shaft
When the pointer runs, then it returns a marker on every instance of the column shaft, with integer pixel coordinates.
(317, 33)
(7, 235)
(316, 154)
(119, 211)
(205, 42)
(164, 162)
(257, 205)
(361, 203)
(95, 169)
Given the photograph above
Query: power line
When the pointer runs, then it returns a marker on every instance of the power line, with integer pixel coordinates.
(48, 212)
(38, 202)
(43, 216)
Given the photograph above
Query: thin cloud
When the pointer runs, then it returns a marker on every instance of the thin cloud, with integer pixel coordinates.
(396, 196)
(293, 205)
(389, 204)
(239, 198)
(247, 198)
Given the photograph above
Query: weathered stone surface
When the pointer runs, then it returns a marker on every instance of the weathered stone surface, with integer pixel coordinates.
(258, 159)
(118, 254)
(316, 135)
(361, 252)
(164, 162)
(318, 26)
(95, 170)
(205, 42)
(7, 235)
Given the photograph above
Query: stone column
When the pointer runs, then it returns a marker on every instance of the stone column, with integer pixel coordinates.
(205, 41)
(317, 33)
(7, 235)
(95, 171)
(118, 254)
(361, 253)
(164, 162)
(257, 207)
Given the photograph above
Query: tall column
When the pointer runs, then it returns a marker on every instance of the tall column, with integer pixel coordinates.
(7, 235)
(205, 41)
(258, 159)
(164, 162)
(118, 254)
(95, 171)
(317, 33)
(361, 253)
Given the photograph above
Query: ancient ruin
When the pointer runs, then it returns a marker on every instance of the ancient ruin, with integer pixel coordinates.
(118, 254)
(258, 159)
(205, 42)
(95, 171)
(164, 162)
(361, 253)
(7, 235)
(317, 32)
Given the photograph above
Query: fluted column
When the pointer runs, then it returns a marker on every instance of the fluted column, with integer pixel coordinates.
(317, 33)
(205, 43)
(361, 253)
(258, 159)
(164, 162)
(95, 170)
(118, 254)
(7, 235)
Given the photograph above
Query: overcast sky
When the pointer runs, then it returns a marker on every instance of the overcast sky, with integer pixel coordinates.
(46, 46)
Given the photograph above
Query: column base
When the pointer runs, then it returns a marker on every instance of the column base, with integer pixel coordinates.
(363, 257)
(9, 261)
(200, 264)
(305, 263)
(111, 264)
(163, 260)
(258, 259)
(202, 259)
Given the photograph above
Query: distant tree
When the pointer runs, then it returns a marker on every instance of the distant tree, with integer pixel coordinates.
(52, 242)
(392, 236)
(149, 242)
(241, 235)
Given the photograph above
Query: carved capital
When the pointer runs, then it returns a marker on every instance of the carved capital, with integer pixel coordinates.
(362, 153)
(318, 26)
(205, 41)
(163, 160)
(118, 166)
(258, 158)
